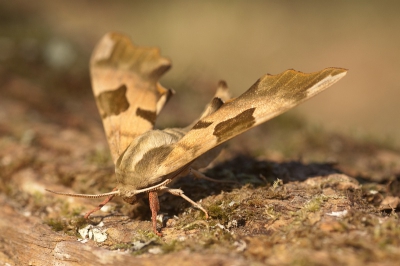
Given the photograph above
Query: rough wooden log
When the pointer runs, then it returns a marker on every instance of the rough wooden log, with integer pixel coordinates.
(26, 240)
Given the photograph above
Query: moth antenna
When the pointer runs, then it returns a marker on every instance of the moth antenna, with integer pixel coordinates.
(91, 196)
(153, 188)
(184, 171)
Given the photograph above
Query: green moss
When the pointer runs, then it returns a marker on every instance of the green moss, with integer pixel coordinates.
(145, 235)
(172, 246)
(217, 212)
(270, 211)
(277, 183)
(196, 224)
(56, 224)
(78, 222)
(315, 204)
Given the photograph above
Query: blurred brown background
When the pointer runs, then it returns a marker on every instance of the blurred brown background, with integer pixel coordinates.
(238, 41)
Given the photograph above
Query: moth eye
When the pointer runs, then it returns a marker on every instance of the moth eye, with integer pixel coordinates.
(112, 102)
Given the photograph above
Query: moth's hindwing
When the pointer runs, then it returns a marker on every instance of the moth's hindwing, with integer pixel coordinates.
(125, 86)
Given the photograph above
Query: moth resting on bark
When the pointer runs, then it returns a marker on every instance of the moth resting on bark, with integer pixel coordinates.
(148, 160)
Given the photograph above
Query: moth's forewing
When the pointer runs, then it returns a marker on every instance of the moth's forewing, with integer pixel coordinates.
(270, 96)
(126, 89)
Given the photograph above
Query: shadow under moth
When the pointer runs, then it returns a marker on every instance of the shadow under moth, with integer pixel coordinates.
(148, 160)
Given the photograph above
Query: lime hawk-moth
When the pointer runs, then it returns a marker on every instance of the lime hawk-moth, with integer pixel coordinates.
(125, 82)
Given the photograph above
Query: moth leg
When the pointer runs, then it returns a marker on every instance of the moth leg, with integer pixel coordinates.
(200, 175)
(100, 205)
(154, 207)
(180, 193)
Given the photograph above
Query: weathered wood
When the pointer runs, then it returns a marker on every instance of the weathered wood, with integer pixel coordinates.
(26, 240)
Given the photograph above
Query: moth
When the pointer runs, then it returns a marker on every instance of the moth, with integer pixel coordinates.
(125, 82)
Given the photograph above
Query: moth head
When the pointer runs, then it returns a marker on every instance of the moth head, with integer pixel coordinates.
(128, 193)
